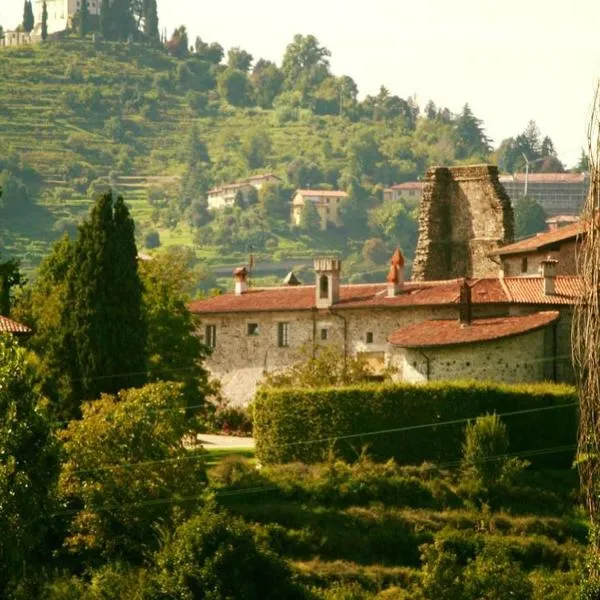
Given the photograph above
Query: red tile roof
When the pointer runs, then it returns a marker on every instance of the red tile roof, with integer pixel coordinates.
(545, 178)
(541, 240)
(323, 193)
(428, 334)
(409, 185)
(9, 326)
(525, 290)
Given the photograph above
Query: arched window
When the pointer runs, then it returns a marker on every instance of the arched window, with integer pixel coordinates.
(323, 286)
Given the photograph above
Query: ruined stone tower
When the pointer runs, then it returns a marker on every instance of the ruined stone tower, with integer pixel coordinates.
(465, 213)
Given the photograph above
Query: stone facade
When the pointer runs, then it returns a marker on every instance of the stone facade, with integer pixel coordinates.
(465, 214)
(528, 263)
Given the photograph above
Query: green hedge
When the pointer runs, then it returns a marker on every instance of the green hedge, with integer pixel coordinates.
(303, 424)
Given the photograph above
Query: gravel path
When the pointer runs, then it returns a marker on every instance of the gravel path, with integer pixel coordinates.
(225, 441)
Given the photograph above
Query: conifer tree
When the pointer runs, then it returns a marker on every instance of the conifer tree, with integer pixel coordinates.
(44, 21)
(151, 20)
(105, 18)
(102, 315)
(84, 18)
(28, 21)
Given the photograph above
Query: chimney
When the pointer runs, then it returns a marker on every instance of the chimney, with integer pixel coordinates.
(327, 288)
(240, 276)
(395, 278)
(465, 308)
(548, 273)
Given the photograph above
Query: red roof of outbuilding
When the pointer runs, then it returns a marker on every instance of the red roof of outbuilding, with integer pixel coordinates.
(541, 240)
(427, 334)
(9, 326)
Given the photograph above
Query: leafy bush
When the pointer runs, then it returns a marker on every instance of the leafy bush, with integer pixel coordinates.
(296, 424)
(151, 239)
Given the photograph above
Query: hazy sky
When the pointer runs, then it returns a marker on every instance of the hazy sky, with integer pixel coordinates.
(511, 61)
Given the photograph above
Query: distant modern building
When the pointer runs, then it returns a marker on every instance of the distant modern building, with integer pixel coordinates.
(61, 13)
(327, 202)
(408, 189)
(223, 196)
(557, 193)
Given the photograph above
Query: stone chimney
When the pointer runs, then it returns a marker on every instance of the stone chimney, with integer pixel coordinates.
(465, 307)
(240, 276)
(395, 278)
(548, 273)
(327, 288)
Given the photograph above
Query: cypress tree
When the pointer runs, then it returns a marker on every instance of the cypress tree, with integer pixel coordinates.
(28, 21)
(103, 313)
(151, 20)
(44, 20)
(84, 18)
(105, 19)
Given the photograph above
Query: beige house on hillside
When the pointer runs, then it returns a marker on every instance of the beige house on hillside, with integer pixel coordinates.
(327, 203)
(61, 13)
(408, 189)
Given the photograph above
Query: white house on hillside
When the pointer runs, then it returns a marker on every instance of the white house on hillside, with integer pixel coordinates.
(61, 12)
(220, 197)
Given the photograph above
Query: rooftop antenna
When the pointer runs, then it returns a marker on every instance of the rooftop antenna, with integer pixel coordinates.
(250, 264)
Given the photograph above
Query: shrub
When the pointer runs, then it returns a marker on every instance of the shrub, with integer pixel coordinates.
(151, 240)
(297, 424)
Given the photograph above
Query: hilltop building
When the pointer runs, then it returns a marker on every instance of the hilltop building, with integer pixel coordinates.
(327, 202)
(557, 193)
(223, 196)
(61, 13)
(408, 189)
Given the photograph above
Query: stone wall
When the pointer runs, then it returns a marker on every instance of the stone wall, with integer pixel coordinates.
(465, 213)
(565, 255)
(510, 360)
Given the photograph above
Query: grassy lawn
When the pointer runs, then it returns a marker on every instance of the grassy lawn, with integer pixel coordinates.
(215, 455)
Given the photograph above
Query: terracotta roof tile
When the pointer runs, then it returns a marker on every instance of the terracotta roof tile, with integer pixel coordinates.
(529, 290)
(323, 193)
(541, 240)
(409, 185)
(545, 178)
(9, 326)
(451, 332)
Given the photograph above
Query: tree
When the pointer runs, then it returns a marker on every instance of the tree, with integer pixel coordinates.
(305, 65)
(234, 87)
(28, 470)
(212, 53)
(256, 147)
(10, 277)
(310, 220)
(530, 218)
(84, 17)
(126, 471)
(28, 20)
(102, 321)
(375, 251)
(105, 19)
(44, 21)
(267, 80)
(215, 555)
(151, 20)
(178, 44)
(470, 136)
(196, 178)
(239, 59)
(174, 351)
(272, 202)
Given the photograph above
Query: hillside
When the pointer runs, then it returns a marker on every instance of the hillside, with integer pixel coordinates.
(76, 115)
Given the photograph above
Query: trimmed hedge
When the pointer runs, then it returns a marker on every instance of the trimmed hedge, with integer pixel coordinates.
(304, 424)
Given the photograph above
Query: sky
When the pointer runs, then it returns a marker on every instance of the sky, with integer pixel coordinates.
(512, 61)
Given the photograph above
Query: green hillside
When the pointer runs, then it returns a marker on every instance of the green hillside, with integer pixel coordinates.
(78, 115)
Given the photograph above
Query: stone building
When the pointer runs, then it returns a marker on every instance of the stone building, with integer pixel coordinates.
(464, 215)
(328, 204)
(61, 13)
(410, 190)
(525, 257)
(515, 328)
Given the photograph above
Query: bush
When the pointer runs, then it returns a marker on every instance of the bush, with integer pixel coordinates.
(151, 240)
(304, 424)
(486, 439)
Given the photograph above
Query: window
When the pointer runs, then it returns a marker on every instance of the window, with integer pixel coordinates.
(324, 334)
(369, 337)
(210, 336)
(323, 287)
(252, 328)
(282, 334)
(524, 265)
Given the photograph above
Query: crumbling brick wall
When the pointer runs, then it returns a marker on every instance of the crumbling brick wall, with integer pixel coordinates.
(465, 213)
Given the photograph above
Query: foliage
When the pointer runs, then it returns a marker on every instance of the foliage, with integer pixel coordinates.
(215, 556)
(125, 471)
(174, 351)
(234, 87)
(284, 417)
(28, 17)
(310, 220)
(28, 468)
(530, 218)
(44, 30)
(321, 366)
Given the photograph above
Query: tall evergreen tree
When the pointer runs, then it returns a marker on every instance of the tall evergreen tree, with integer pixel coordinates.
(151, 20)
(102, 313)
(28, 21)
(105, 18)
(44, 20)
(84, 18)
